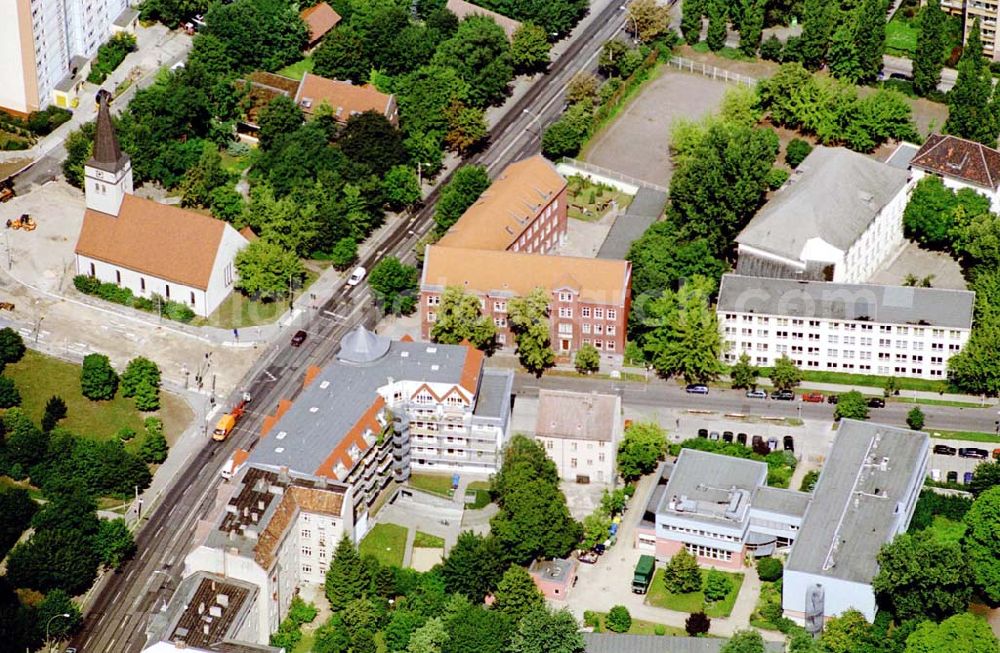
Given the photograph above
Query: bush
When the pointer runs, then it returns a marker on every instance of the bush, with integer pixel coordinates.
(697, 623)
(9, 395)
(45, 122)
(592, 619)
(796, 152)
(769, 569)
(717, 585)
(125, 433)
(915, 418)
(618, 620)
(98, 380)
(109, 56)
(659, 629)
(809, 481)
(86, 284)
(770, 50)
(776, 178)
(55, 410)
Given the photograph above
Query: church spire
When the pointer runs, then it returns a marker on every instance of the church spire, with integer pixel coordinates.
(107, 176)
(108, 155)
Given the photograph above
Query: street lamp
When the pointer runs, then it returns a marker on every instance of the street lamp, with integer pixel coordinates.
(635, 26)
(534, 116)
(64, 615)
(420, 174)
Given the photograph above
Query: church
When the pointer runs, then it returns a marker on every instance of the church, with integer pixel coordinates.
(148, 247)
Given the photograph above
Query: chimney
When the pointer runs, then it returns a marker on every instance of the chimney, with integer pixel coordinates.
(201, 608)
(283, 476)
(223, 600)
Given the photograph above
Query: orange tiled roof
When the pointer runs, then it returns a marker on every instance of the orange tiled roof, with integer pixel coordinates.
(487, 271)
(162, 241)
(344, 98)
(320, 18)
(504, 209)
(355, 437)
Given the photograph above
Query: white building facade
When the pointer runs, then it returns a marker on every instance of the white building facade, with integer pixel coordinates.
(853, 328)
(580, 433)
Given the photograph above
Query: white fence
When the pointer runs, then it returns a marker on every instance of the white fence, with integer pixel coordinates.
(711, 71)
(622, 182)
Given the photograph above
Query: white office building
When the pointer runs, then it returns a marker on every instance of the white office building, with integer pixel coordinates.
(854, 328)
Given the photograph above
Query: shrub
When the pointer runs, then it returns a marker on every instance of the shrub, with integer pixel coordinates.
(809, 481)
(109, 56)
(178, 312)
(45, 122)
(915, 418)
(697, 623)
(618, 620)
(770, 50)
(55, 410)
(344, 253)
(9, 394)
(98, 381)
(776, 178)
(592, 620)
(796, 152)
(86, 284)
(769, 569)
(659, 629)
(11, 346)
(125, 433)
(717, 585)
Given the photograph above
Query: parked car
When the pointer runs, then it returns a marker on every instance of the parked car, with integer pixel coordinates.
(756, 394)
(696, 389)
(973, 452)
(812, 397)
(783, 395)
(298, 338)
(789, 443)
(600, 548)
(714, 435)
(945, 450)
(967, 478)
(952, 477)
(702, 433)
(589, 557)
(742, 438)
(772, 443)
(727, 436)
(832, 399)
(876, 402)
(356, 276)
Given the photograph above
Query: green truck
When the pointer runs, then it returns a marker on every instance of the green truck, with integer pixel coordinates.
(643, 574)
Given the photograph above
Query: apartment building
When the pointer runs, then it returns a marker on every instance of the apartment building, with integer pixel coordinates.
(865, 496)
(523, 210)
(44, 43)
(720, 510)
(960, 163)
(854, 328)
(838, 218)
(986, 11)
(580, 432)
(590, 297)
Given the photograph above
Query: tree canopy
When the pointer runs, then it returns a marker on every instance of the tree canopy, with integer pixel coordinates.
(921, 577)
(459, 317)
(642, 448)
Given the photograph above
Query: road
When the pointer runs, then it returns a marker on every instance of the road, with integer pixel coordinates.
(120, 610)
(670, 395)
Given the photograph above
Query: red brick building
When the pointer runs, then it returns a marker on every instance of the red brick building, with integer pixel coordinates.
(590, 297)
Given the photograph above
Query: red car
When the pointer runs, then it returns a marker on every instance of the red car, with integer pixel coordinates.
(812, 397)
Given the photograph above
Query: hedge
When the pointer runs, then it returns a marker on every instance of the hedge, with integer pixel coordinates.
(113, 293)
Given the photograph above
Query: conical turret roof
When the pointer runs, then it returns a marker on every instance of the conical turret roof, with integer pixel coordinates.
(108, 154)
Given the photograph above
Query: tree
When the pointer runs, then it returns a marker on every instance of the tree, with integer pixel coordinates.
(648, 20)
(459, 318)
(267, 270)
(529, 48)
(141, 380)
(369, 139)
(922, 577)
(341, 55)
(473, 567)
(52, 559)
(475, 628)
(770, 50)
(796, 151)
(467, 127)
(985, 476)
(644, 445)
(541, 631)
(851, 405)
(596, 527)
(969, 111)
(682, 575)
(870, 37)
(524, 460)
(697, 624)
(394, 286)
(976, 369)
(565, 136)
(480, 53)
(744, 641)
(516, 594)
(429, 638)
(98, 380)
(346, 579)
(582, 87)
(401, 626)
(982, 548)
(11, 346)
(848, 633)
(588, 359)
(464, 188)
(962, 633)
(692, 12)
(785, 374)
(717, 585)
(58, 602)
(533, 521)
(258, 34)
(928, 59)
(279, 118)
(401, 188)
(929, 214)
(204, 177)
(344, 253)
(718, 23)
(663, 258)
(529, 321)
(683, 336)
(618, 619)
(751, 26)
(817, 27)
(915, 418)
(9, 395)
(744, 374)
(114, 543)
(769, 569)
(154, 448)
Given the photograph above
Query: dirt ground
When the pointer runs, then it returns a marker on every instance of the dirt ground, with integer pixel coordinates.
(636, 142)
(913, 260)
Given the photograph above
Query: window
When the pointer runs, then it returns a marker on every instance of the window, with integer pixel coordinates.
(598, 329)
(168, 290)
(610, 330)
(142, 284)
(565, 312)
(565, 297)
(611, 345)
(572, 463)
(502, 338)
(118, 276)
(307, 551)
(566, 328)
(600, 457)
(433, 300)
(192, 298)
(586, 327)
(306, 533)
(500, 322)
(307, 569)
(833, 339)
(599, 313)
(585, 311)
(431, 316)
(500, 306)
(612, 314)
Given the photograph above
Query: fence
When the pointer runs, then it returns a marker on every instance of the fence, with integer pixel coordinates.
(610, 174)
(711, 71)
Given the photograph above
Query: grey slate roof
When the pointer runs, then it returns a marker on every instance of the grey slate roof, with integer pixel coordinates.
(856, 504)
(613, 643)
(644, 210)
(902, 155)
(701, 483)
(847, 301)
(344, 390)
(833, 195)
(784, 502)
(577, 415)
(493, 397)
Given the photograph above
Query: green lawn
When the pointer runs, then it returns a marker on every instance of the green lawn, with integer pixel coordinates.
(901, 37)
(659, 597)
(945, 530)
(971, 436)
(39, 377)
(298, 69)
(872, 381)
(386, 542)
(937, 402)
(434, 483)
(726, 52)
(238, 311)
(234, 164)
(640, 627)
(589, 201)
(305, 644)
(482, 490)
(427, 541)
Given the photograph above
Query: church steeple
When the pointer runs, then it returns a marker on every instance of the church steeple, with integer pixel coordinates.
(108, 172)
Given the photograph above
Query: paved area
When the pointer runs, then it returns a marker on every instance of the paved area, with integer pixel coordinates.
(425, 559)
(636, 143)
(912, 259)
(584, 238)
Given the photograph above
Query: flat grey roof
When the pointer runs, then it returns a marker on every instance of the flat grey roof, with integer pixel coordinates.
(127, 16)
(614, 643)
(577, 415)
(706, 487)
(847, 301)
(337, 398)
(781, 501)
(493, 396)
(902, 156)
(833, 195)
(858, 500)
(555, 570)
(644, 210)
